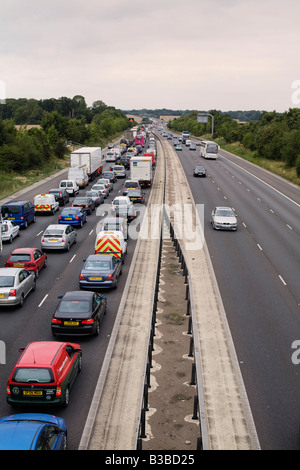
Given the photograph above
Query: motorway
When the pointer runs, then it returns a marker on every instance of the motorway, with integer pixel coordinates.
(33, 322)
(257, 269)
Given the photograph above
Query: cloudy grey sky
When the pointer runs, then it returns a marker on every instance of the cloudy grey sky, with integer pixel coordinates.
(177, 54)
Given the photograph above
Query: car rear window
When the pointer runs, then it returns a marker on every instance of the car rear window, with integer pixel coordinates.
(69, 212)
(24, 257)
(97, 265)
(33, 375)
(7, 281)
(11, 210)
(74, 306)
(54, 232)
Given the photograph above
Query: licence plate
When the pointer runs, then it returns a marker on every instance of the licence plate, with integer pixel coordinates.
(68, 218)
(19, 265)
(96, 278)
(1, 295)
(71, 323)
(33, 392)
(53, 239)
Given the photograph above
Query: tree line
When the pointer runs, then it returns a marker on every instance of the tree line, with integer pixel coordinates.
(58, 121)
(274, 136)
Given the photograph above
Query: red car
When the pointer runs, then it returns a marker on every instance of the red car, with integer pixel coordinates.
(31, 259)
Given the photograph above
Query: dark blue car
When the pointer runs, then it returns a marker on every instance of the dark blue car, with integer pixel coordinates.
(74, 216)
(33, 431)
(100, 271)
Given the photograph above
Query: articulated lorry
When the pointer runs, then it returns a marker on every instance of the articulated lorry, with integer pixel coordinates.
(91, 157)
(141, 170)
(185, 136)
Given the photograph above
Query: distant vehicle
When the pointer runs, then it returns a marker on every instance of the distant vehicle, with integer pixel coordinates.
(120, 171)
(223, 218)
(139, 140)
(114, 224)
(70, 186)
(111, 242)
(86, 203)
(100, 272)
(79, 313)
(141, 170)
(136, 196)
(209, 149)
(91, 157)
(192, 146)
(130, 184)
(97, 197)
(110, 175)
(185, 136)
(33, 431)
(178, 147)
(79, 174)
(9, 231)
(44, 374)
(31, 259)
(102, 188)
(188, 142)
(74, 216)
(61, 195)
(111, 156)
(199, 171)
(58, 237)
(106, 181)
(45, 204)
(15, 285)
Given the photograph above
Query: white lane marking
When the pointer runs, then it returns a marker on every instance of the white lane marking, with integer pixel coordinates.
(39, 233)
(259, 247)
(262, 181)
(282, 280)
(91, 231)
(72, 259)
(41, 303)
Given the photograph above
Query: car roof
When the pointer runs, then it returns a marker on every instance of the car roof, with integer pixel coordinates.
(24, 250)
(115, 220)
(56, 226)
(18, 435)
(41, 352)
(13, 203)
(108, 256)
(78, 295)
(9, 271)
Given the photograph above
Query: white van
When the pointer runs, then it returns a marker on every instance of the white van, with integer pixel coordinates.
(45, 203)
(70, 186)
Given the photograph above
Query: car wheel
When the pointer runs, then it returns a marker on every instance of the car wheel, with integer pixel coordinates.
(21, 303)
(68, 247)
(37, 273)
(11, 239)
(79, 363)
(34, 286)
(116, 284)
(67, 397)
(25, 224)
(81, 224)
(97, 331)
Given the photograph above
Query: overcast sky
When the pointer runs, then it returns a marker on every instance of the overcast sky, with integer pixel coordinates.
(177, 54)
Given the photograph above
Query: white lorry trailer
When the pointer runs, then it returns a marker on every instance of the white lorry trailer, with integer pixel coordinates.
(141, 170)
(91, 157)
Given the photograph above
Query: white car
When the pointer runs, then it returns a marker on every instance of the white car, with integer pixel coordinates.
(223, 218)
(10, 230)
(120, 201)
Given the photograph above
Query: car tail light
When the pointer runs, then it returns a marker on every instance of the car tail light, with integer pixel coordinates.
(110, 277)
(58, 391)
(63, 239)
(86, 206)
(43, 238)
(55, 321)
(81, 277)
(8, 392)
(59, 217)
(13, 292)
(77, 217)
(90, 321)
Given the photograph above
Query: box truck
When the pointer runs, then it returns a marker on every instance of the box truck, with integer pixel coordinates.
(91, 157)
(141, 170)
(79, 174)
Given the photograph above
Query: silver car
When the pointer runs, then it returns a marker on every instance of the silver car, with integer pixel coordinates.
(15, 285)
(102, 188)
(58, 237)
(223, 218)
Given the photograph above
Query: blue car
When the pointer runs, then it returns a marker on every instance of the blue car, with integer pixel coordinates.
(100, 271)
(33, 431)
(74, 216)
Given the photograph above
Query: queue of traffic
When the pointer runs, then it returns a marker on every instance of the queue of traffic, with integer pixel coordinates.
(46, 370)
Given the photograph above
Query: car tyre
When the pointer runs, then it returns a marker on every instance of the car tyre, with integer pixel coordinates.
(67, 397)
(21, 303)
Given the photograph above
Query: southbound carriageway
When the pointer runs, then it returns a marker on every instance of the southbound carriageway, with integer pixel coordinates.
(117, 415)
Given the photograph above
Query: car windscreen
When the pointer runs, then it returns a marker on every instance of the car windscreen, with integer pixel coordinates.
(33, 375)
(7, 281)
(224, 213)
(20, 257)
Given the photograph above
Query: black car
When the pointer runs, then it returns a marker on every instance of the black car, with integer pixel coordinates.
(199, 171)
(61, 195)
(96, 196)
(136, 196)
(86, 203)
(110, 175)
(79, 313)
(125, 161)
